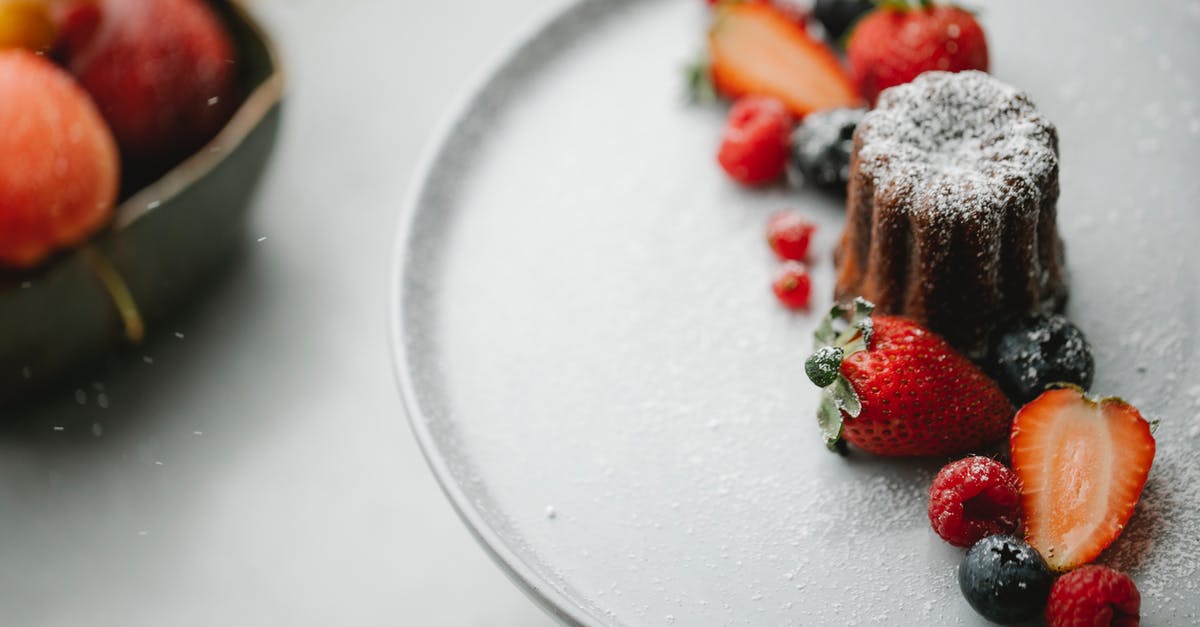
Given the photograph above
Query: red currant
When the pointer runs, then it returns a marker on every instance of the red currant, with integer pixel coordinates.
(789, 234)
(754, 148)
(793, 285)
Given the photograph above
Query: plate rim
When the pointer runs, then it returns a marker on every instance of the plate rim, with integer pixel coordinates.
(549, 598)
(432, 157)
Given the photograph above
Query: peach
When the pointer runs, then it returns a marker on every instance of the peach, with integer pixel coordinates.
(59, 168)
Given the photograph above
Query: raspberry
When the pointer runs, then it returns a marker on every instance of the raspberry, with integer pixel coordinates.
(792, 285)
(1094, 595)
(972, 498)
(754, 148)
(788, 234)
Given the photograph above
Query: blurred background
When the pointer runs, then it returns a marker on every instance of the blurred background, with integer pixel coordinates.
(250, 462)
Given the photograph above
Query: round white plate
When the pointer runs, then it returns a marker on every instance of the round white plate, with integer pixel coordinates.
(594, 364)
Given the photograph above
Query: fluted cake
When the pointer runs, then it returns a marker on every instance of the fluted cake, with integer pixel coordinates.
(951, 208)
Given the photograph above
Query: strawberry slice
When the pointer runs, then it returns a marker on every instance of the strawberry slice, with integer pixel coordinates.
(1082, 465)
(754, 48)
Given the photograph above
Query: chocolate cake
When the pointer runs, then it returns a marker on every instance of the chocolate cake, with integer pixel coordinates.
(951, 208)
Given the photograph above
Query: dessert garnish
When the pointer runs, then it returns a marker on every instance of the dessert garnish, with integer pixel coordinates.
(789, 234)
(1094, 595)
(757, 48)
(821, 147)
(754, 146)
(898, 41)
(972, 498)
(950, 269)
(792, 285)
(892, 387)
(837, 16)
(1004, 579)
(1037, 351)
(1082, 464)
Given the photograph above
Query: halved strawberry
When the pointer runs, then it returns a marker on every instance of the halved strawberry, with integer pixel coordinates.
(755, 48)
(1082, 465)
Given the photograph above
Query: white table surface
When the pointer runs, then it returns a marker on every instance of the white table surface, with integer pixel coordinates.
(256, 467)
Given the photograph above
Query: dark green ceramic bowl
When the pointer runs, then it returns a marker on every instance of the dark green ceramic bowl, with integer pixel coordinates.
(164, 242)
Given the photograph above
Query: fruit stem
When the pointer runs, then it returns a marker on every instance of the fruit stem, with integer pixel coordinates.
(698, 77)
(903, 5)
(118, 290)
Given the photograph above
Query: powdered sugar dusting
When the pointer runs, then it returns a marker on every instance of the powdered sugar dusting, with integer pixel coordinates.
(1159, 547)
(952, 207)
(667, 419)
(963, 141)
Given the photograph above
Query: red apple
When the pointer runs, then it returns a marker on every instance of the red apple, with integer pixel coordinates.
(161, 72)
(59, 168)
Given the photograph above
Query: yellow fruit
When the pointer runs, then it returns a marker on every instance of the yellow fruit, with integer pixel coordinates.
(26, 24)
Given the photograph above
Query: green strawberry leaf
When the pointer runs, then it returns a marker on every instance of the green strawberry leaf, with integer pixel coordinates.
(844, 397)
(867, 326)
(829, 417)
(826, 335)
(858, 337)
(839, 400)
(863, 309)
(860, 327)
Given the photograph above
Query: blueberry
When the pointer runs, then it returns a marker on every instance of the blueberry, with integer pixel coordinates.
(821, 146)
(838, 15)
(1038, 351)
(1005, 579)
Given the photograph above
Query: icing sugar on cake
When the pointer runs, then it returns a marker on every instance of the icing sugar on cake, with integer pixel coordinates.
(951, 215)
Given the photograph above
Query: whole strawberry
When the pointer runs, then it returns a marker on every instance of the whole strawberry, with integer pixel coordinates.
(894, 43)
(892, 387)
